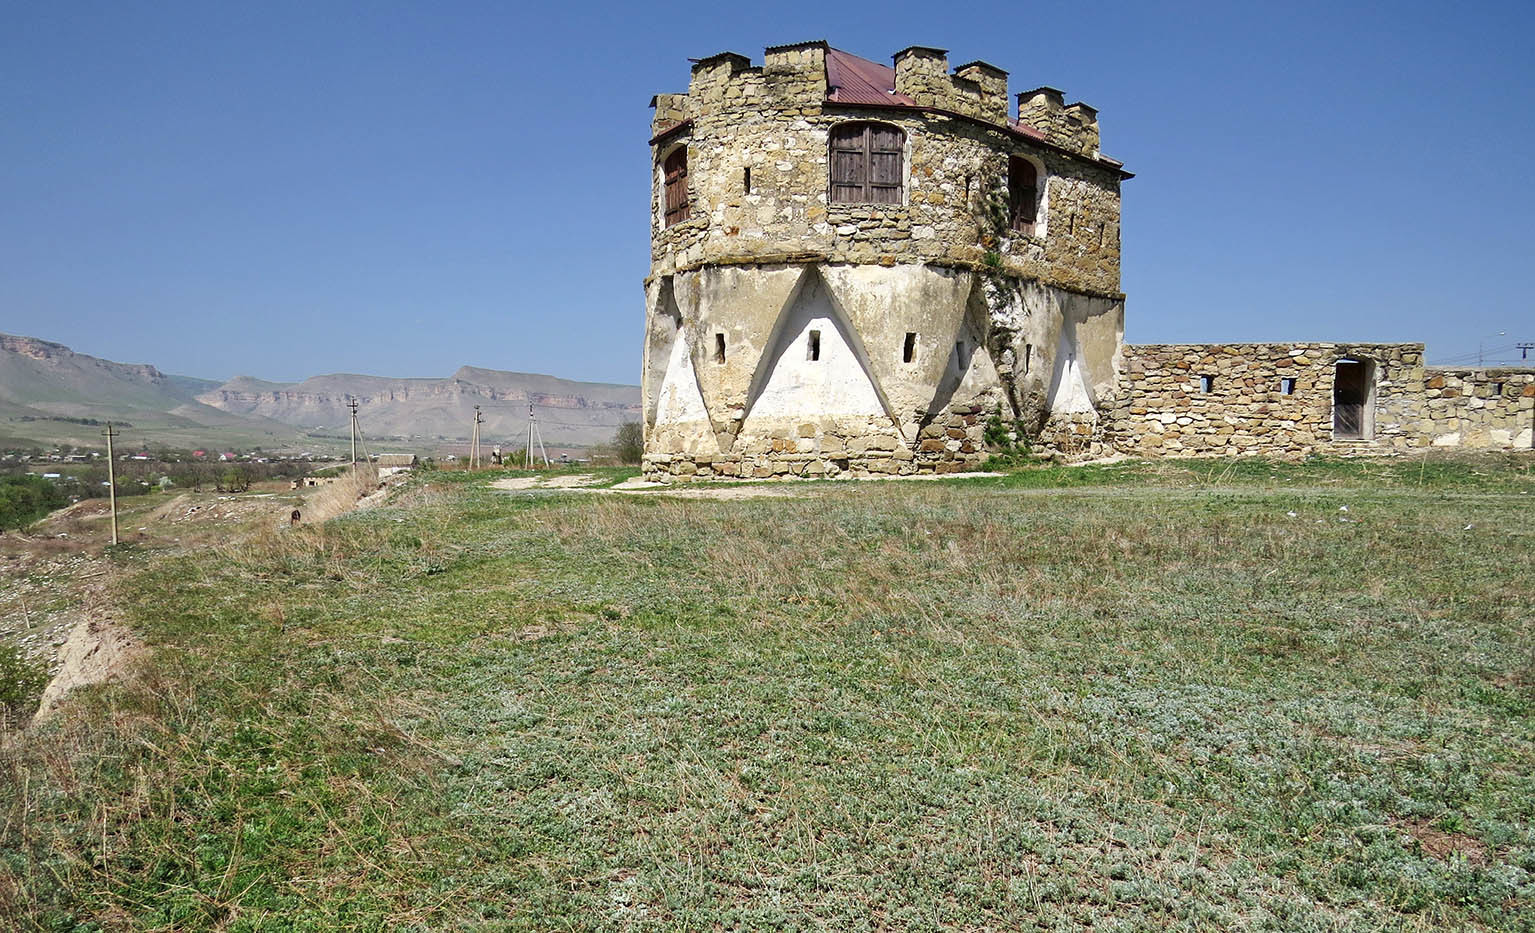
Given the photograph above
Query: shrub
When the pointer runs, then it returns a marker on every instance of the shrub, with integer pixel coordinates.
(629, 442)
(25, 499)
(21, 684)
(1009, 444)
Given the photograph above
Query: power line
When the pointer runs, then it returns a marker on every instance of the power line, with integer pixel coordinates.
(1480, 355)
(569, 424)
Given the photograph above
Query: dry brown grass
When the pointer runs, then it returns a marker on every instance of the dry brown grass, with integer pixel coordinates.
(340, 497)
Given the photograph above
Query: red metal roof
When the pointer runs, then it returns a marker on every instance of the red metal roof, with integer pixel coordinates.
(1026, 130)
(854, 80)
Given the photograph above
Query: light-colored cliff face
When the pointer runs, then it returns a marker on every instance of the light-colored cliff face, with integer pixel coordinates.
(50, 394)
(41, 382)
(58, 358)
(49, 378)
(569, 412)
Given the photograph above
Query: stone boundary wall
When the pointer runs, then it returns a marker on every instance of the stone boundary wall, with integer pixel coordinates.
(1164, 407)
(1492, 407)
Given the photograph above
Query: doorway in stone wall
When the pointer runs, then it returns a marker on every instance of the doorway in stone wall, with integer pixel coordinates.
(1353, 400)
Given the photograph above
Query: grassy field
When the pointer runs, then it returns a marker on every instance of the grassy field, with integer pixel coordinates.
(1134, 696)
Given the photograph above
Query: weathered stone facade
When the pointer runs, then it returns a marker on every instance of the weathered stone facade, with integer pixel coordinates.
(774, 120)
(790, 332)
(929, 315)
(1278, 400)
(1491, 407)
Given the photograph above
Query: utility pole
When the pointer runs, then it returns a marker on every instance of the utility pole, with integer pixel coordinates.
(474, 440)
(1524, 349)
(352, 404)
(527, 460)
(1480, 347)
(111, 478)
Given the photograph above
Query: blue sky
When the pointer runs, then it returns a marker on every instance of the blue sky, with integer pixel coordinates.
(286, 189)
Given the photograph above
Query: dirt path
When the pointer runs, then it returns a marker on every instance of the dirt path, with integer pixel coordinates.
(561, 481)
(723, 489)
(770, 488)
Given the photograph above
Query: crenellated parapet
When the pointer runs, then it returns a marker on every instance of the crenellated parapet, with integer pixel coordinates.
(758, 180)
(1072, 126)
(797, 76)
(671, 110)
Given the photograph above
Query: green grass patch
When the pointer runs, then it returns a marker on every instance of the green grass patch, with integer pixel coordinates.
(1150, 696)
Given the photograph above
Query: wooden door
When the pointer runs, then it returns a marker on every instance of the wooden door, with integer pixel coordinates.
(675, 171)
(1022, 193)
(1350, 395)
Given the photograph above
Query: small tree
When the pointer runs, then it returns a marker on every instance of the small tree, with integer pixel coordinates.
(629, 442)
(233, 480)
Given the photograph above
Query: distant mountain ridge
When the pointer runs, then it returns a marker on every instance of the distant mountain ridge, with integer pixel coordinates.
(569, 412)
(42, 382)
(44, 358)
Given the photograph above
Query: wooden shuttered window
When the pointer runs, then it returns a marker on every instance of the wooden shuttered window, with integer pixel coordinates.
(866, 163)
(1022, 194)
(675, 171)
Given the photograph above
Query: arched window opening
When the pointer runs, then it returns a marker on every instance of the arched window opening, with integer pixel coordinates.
(866, 163)
(1022, 194)
(675, 171)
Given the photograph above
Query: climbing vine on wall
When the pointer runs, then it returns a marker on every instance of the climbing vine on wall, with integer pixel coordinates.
(1000, 288)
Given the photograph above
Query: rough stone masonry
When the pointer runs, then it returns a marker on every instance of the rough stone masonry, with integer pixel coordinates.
(855, 266)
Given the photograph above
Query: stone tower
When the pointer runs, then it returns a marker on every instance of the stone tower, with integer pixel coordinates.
(855, 266)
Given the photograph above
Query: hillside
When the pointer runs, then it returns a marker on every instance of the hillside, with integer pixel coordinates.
(1214, 695)
(424, 410)
(47, 389)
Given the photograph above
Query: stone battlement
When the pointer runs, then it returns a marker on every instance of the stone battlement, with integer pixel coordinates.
(755, 179)
(796, 77)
